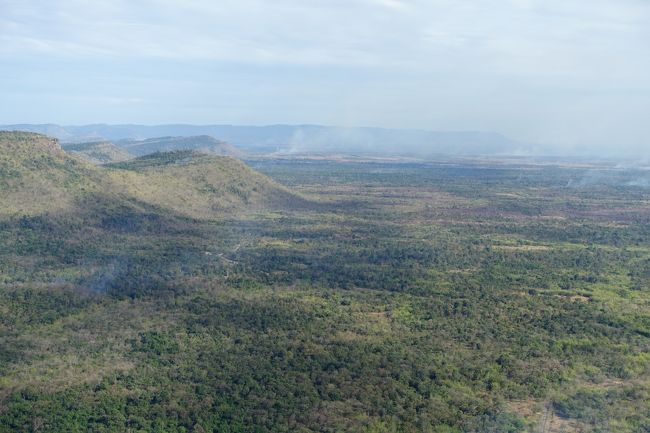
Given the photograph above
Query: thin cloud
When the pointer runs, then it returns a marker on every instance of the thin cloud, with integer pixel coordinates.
(391, 4)
(557, 71)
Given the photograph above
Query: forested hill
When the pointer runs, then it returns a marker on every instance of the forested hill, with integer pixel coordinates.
(200, 185)
(202, 143)
(38, 176)
(98, 152)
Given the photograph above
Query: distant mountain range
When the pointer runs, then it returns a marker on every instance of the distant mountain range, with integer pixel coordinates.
(292, 139)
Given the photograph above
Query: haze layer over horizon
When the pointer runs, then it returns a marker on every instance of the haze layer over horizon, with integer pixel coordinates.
(569, 75)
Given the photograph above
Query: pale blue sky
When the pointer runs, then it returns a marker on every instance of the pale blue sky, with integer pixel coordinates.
(569, 73)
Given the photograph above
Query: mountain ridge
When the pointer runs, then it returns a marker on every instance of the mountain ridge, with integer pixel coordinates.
(98, 152)
(297, 139)
(203, 143)
(37, 175)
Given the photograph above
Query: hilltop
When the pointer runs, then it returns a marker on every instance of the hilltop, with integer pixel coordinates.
(98, 152)
(37, 175)
(203, 143)
(200, 185)
(22, 145)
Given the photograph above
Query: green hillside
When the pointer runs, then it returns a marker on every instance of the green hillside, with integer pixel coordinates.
(184, 292)
(200, 185)
(38, 176)
(202, 143)
(98, 152)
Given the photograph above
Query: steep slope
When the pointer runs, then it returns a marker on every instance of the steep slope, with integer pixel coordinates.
(98, 152)
(200, 185)
(36, 175)
(203, 143)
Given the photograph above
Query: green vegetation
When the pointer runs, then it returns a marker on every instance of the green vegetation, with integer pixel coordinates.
(202, 143)
(367, 297)
(39, 177)
(99, 152)
(200, 185)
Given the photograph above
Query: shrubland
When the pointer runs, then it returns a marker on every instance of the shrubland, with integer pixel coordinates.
(184, 292)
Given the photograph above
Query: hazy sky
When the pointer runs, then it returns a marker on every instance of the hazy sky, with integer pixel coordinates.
(570, 73)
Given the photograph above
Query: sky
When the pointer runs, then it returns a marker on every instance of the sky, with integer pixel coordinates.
(569, 74)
